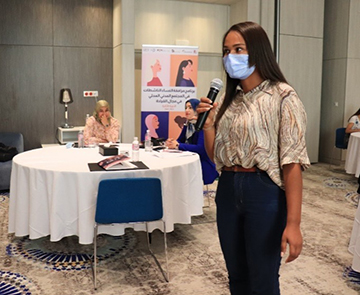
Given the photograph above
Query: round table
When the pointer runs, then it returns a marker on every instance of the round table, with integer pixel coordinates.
(53, 192)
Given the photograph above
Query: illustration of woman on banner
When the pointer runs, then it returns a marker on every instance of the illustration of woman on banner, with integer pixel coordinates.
(185, 70)
(152, 123)
(155, 68)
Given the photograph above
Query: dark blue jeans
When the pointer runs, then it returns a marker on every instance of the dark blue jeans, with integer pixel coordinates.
(251, 217)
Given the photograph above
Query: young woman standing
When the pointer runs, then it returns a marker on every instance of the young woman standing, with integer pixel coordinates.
(256, 136)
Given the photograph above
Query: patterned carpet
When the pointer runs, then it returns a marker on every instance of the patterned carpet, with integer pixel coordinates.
(195, 259)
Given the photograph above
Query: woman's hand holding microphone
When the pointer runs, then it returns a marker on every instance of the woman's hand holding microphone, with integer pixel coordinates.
(204, 106)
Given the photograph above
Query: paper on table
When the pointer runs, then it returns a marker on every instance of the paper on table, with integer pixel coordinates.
(122, 165)
(168, 153)
(116, 162)
(172, 151)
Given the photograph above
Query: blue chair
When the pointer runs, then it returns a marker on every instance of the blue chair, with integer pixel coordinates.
(130, 200)
(341, 140)
(15, 139)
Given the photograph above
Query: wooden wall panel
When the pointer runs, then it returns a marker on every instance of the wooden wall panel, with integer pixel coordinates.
(81, 69)
(83, 23)
(26, 22)
(27, 93)
(46, 45)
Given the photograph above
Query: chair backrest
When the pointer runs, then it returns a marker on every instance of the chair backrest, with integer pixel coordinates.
(125, 200)
(15, 139)
(340, 138)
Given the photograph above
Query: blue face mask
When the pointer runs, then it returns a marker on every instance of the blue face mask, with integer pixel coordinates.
(237, 66)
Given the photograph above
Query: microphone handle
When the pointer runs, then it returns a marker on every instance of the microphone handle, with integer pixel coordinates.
(203, 116)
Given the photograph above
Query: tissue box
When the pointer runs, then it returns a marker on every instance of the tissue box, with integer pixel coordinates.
(108, 151)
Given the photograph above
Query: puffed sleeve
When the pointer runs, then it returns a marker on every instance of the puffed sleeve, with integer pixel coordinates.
(292, 145)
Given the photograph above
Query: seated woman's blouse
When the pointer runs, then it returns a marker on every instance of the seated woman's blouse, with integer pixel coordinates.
(196, 144)
(96, 132)
(356, 121)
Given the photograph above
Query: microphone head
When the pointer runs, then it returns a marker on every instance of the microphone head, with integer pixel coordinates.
(216, 83)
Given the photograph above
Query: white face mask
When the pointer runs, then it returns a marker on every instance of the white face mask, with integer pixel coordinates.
(237, 66)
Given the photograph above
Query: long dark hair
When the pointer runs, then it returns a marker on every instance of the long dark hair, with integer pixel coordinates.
(260, 55)
(180, 74)
(357, 113)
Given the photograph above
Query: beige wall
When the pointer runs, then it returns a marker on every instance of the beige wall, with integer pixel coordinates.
(239, 12)
(301, 42)
(123, 61)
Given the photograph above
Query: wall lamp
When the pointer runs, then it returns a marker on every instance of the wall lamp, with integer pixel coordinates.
(65, 99)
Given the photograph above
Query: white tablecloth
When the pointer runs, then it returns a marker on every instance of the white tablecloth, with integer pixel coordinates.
(352, 166)
(54, 193)
(352, 163)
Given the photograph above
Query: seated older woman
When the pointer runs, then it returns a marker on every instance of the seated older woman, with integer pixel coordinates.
(101, 127)
(193, 141)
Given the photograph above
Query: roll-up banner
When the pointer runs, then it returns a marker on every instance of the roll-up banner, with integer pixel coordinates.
(169, 79)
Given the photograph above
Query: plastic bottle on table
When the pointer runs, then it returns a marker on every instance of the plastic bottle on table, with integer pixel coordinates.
(135, 150)
(80, 139)
(148, 147)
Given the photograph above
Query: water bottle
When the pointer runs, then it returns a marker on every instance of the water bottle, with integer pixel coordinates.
(148, 147)
(135, 150)
(80, 139)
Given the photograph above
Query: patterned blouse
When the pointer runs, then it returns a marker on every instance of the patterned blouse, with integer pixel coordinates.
(264, 128)
(96, 132)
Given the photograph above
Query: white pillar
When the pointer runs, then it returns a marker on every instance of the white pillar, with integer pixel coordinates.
(124, 66)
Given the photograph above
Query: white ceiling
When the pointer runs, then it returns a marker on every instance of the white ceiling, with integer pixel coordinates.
(222, 2)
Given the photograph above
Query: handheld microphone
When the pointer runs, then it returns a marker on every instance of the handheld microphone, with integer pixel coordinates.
(215, 86)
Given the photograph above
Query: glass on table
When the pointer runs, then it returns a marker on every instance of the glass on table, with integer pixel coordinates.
(92, 144)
